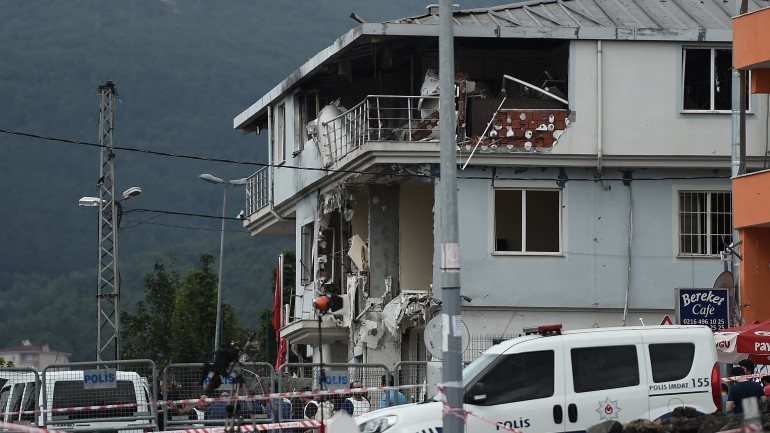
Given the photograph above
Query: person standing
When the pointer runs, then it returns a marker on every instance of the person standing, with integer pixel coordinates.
(313, 405)
(357, 404)
(741, 389)
(392, 397)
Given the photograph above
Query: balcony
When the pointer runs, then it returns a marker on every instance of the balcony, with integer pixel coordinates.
(379, 118)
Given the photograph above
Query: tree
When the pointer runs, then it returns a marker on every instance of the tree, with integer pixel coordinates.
(145, 333)
(176, 321)
(4, 363)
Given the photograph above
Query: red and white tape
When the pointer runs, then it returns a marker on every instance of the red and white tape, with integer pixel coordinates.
(25, 428)
(308, 423)
(256, 397)
(744, 377)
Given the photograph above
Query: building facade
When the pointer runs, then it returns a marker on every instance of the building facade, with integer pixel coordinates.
(31, 355)
(595, 146)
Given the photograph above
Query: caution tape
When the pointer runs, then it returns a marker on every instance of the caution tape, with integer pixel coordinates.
(229, 399)
(744, 377)
(26, 428)
(307, 423)
(465, 414)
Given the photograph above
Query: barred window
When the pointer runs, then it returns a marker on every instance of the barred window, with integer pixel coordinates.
(705, 222)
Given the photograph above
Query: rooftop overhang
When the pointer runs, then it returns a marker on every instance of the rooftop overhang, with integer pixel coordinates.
(751, 50)
(256, 113)
(751, 200)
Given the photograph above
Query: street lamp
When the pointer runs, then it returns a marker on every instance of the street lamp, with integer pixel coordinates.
(213, 179)
(108, 247)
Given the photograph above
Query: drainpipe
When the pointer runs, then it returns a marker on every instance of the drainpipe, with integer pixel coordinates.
(735, 170)
(599, 114)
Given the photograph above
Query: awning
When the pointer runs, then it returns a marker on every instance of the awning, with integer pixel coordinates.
(747, 341)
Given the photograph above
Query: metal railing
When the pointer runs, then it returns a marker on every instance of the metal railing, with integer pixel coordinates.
(20, 394)
(117, 395)
(381, 118)
(257, 190)
(183, 382)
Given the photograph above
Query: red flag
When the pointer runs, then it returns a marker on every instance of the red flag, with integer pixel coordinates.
(277, 305)
(281, 359)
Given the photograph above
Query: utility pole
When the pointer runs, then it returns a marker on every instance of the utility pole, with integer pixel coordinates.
(450, 247)
(108, 286)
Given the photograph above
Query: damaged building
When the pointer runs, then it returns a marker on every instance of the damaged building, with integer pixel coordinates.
(594, 145)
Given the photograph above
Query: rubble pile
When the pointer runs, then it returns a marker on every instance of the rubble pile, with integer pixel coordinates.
(683, 420)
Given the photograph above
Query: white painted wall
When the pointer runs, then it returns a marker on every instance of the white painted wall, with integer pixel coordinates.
(642, 106)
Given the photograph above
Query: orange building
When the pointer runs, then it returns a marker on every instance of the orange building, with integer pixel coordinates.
(751, 192)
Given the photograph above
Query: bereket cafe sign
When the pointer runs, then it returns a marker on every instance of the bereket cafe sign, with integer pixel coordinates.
(709, 307)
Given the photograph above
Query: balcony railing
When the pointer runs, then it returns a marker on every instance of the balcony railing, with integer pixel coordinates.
(380, 118)
(257, 191)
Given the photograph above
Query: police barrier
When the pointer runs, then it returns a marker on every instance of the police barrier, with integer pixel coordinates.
(305, 376)
(19, 395)
(100, 396)
(412, 373)
(183, 381)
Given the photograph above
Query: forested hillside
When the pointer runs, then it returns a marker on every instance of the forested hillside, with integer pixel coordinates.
(183, 70)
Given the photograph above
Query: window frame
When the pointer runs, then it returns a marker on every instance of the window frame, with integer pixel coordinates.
(523, 252)
(575, 365)
(712, 61)
(306, 243)
(502, 359)
(677, 220)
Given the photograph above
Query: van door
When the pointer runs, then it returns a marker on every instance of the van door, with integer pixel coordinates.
(524, 390)
(606, 379)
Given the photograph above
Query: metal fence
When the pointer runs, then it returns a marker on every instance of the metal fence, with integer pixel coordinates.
(257, 191)
(412, 373)
(297, 377)
(19, 393)
(477, 344)
(183, 382)
(103, 396)
(383, 118)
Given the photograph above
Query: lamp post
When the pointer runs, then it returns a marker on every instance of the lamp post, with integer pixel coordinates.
(213, 179)
(108, 287)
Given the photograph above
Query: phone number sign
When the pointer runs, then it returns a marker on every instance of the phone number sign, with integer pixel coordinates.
(709, 307)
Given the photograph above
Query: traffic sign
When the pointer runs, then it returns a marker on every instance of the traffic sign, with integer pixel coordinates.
(666, 320)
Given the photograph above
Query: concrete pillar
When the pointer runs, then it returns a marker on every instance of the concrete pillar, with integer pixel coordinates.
(383, 239)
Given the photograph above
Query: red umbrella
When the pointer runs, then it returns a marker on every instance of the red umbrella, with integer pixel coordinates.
(739, 342)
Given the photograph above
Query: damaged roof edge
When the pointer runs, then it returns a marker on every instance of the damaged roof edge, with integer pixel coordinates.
(259, 108)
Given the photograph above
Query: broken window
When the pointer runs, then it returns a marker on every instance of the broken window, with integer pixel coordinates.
(705, 222)
(308, 106)
(279, 133)
(528, 221)
(707, 80)
(306, 254)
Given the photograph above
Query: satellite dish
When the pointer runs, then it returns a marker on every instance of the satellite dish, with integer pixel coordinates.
(725, 281)
(433, 336)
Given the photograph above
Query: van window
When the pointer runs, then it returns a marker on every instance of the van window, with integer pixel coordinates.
(15, 406)
(671, 361)
(28, 403)
(5, 394)
(604, 367)
(70, 393)
(520, 377)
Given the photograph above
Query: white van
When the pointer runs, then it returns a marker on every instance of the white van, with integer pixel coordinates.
(551, 381)
(65, 389)
(17, 394)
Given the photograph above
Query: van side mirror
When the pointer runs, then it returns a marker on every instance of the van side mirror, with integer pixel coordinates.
(477, 394)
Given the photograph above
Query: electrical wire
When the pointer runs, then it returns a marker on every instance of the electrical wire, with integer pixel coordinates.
(170, 212)
(339, 170)
(189, 227)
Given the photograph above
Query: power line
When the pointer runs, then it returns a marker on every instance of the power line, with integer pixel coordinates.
(187, 227)
(171, 212)
(339, 170)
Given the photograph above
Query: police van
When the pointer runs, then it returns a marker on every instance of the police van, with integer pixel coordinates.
(551, 381)
(123, 406)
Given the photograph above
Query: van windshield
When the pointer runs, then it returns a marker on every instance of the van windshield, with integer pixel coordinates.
(70, 393)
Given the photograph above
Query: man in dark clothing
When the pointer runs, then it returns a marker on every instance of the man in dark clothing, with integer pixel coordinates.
(742, 389)
(748, 365)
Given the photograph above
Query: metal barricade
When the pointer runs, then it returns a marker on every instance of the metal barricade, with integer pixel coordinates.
(183, 382)
(299, 377)
(19, 395)
(100, 396)
(412, 373)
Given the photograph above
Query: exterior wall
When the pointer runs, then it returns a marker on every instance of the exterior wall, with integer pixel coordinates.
(750, 35)
(305, 213)
(755, 274)
(591, 273)
(416, 235)
(751, 202)
(642, 106)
